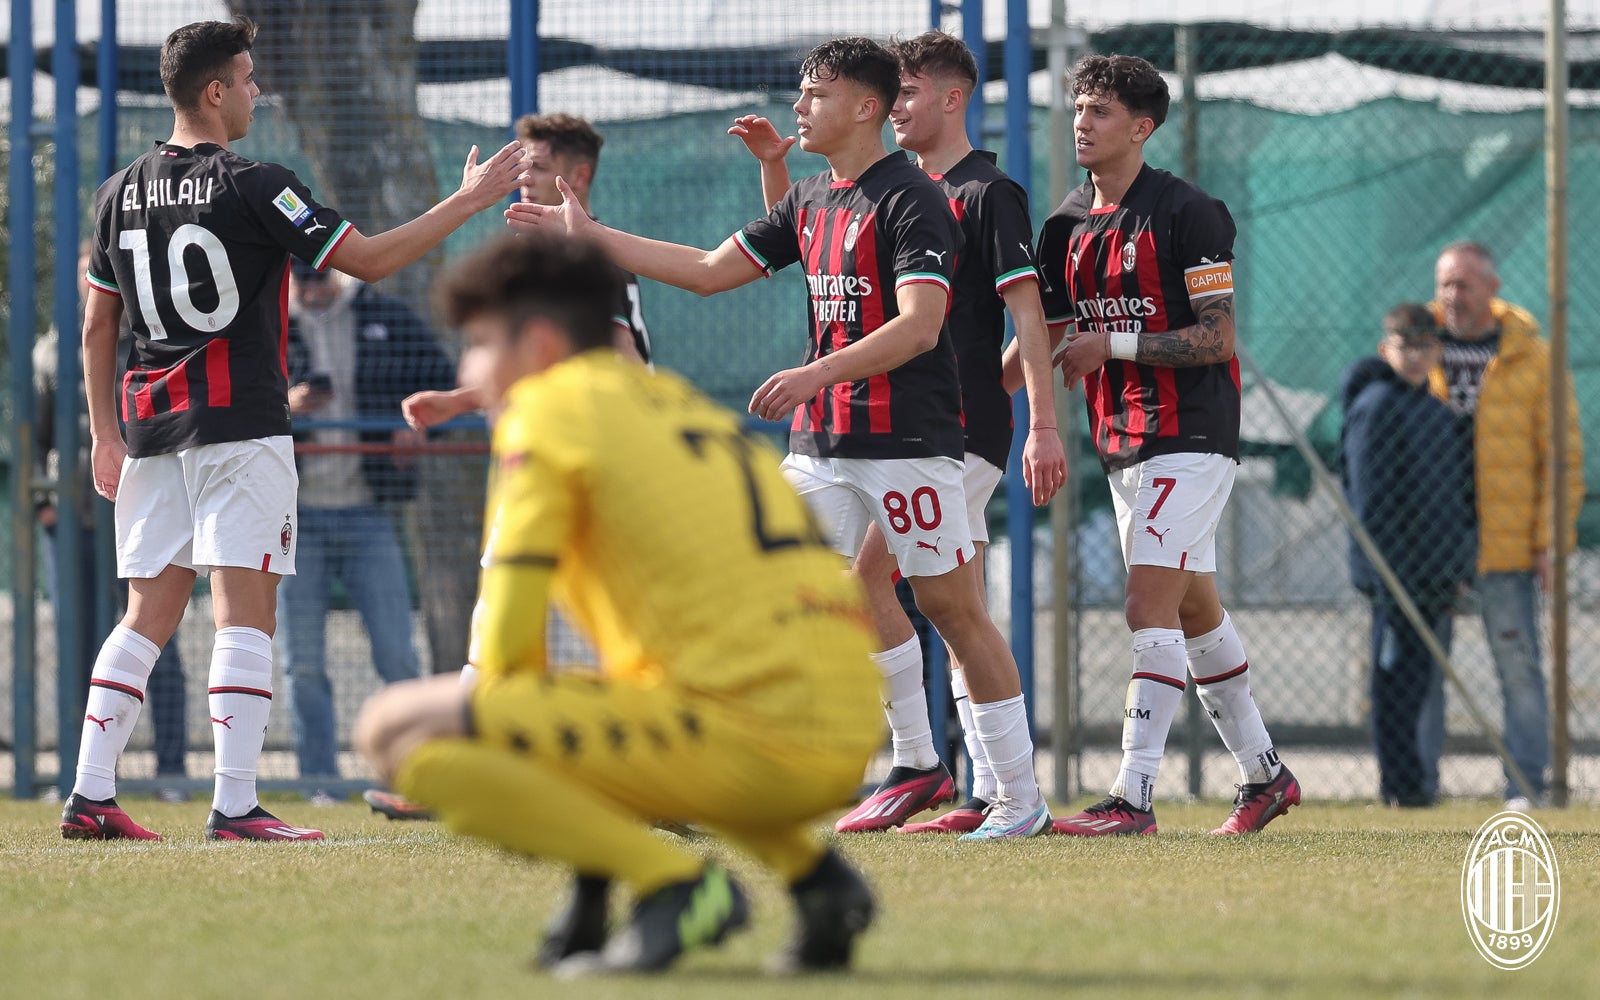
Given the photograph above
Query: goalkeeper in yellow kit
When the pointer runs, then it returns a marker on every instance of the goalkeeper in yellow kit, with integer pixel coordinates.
(736, 689)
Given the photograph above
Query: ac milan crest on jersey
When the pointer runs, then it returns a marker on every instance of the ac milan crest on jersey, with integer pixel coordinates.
(1137, 267)
(861, 242)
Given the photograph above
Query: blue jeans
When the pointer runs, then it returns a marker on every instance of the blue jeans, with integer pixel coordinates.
(1402, 672)
(1430, 725)
(356, 546)
(1510, 620)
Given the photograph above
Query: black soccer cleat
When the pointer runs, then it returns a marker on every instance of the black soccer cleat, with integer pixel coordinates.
(670, 921)
(833, 907)
(580, 927)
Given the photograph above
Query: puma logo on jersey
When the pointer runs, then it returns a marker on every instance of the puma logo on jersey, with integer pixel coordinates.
(936, 255)
(315, 227)
(99, 722)
(806, 232)
(934, 547)
(1028, 251)
(1161, 536)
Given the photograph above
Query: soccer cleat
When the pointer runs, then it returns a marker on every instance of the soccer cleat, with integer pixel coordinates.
(88, 819)
(1259, 804)
(394, 806)
(257, 824)
(580, 927)
(904, 793)
(1009, 819)
(670, 921)
(962, 819)
(1111, 816)
(834, 907)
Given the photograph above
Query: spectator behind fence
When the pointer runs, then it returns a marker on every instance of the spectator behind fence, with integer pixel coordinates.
(1406, 472)
(354, 354)
(166, 691)
(1495, 376)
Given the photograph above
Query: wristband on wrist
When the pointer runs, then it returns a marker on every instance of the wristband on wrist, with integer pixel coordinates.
(1124, 345)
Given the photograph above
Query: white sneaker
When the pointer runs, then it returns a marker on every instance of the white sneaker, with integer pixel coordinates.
(1009, 819)
(1522, 804)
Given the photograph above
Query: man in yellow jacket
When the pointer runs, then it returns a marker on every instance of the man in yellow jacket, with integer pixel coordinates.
(1495, 376)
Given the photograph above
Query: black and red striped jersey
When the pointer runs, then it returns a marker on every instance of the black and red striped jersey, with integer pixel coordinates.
(1127, 268)
(859, 242)
(998, 252)
(196, 242)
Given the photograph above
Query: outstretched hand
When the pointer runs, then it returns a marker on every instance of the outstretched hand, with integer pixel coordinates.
(487, 183)
(761, 138)
(567, 217)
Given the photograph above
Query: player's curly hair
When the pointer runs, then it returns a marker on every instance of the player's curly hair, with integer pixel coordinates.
(859, 60)
(568, 135)
(1131, 80)
(198, 53)
(567, 280)
(936, 53)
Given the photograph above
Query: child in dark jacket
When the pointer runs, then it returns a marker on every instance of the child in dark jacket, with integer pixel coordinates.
(1407, 475)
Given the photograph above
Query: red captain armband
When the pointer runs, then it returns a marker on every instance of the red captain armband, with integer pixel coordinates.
(1209, 279)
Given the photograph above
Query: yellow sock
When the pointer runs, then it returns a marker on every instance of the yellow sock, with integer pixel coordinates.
(527, 807)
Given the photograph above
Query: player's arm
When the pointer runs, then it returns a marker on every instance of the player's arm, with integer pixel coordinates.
(704, 272)
(431, 407)
(373, 258)
(1207, 342)
(762, 140)
(922, 306)
(508, 624)
(1044, 461)
(102, 318)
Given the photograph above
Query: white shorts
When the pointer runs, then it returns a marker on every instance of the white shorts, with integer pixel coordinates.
(1168, 507)
(919, 504)
(228, 504)
(979, 481)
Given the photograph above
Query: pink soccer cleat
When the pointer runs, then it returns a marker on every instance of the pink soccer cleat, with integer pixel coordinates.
(1111, 816)
(965, 818)
(87, 819)
(1259, 804)
(904, 793)
(257, 824)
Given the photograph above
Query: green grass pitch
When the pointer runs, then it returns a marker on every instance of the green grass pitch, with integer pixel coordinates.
(1334, 900)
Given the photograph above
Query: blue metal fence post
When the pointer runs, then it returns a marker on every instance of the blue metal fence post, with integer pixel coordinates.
(522, 58)
(972, 34)
(70, 618)
(20, 217)
(1019, 501)
(107, 73)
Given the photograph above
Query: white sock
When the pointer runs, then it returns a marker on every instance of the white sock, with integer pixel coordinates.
(469, 675)
(1154, 694)
(1222, 676)
(906, 705)
(116, 694)
(984, 784)
(1002, 727)
(240, 699)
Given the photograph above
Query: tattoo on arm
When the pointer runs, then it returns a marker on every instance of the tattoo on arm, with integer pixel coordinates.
(1206, 343)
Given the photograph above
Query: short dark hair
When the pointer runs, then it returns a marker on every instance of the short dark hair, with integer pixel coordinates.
(1410, 319)
(1133, 81)
(936, 53)
(566, 280)
(859, 60)
(199, 53)
(568, 135)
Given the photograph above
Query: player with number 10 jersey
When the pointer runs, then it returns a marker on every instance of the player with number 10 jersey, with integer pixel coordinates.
(204, 236)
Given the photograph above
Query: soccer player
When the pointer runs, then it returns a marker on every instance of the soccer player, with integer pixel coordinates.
(994, 273)
(876, 432)
(556, 145)
(1140, 262)
(734, 689)
(194, 242)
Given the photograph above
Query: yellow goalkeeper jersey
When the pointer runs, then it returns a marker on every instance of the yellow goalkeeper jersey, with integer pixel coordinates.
(664, 530)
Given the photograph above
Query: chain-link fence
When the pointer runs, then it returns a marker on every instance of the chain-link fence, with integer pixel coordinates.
(1349, 155)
